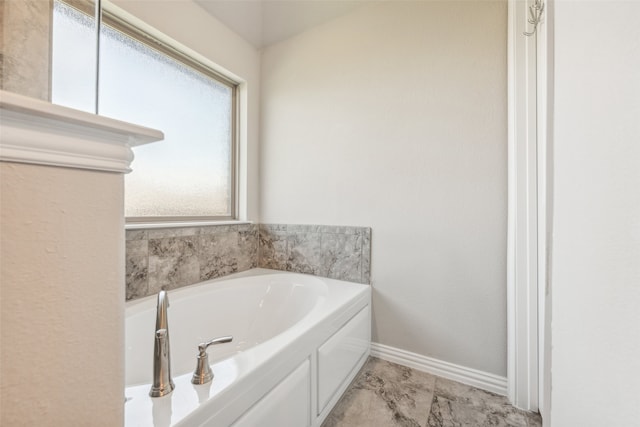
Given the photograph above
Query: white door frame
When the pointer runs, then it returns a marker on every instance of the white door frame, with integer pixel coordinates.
(527, 208)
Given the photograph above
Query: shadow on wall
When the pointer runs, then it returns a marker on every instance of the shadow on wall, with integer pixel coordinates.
(171, 258)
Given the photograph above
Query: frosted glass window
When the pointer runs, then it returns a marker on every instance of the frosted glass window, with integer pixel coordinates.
(73, 58)
(189, 175)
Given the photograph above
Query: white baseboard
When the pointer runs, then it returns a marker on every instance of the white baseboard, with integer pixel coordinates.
(484, 380)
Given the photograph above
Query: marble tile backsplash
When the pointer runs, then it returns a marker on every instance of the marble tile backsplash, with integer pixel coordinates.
(170, 258)
(336, 252)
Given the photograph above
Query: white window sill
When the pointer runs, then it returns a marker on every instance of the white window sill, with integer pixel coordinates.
(153, 225)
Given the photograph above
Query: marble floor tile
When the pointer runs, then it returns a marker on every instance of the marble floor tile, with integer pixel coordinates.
(385, 394)
(456, 404)
(451, 413)
(470, 396)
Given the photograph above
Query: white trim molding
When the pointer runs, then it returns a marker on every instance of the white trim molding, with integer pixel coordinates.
(38, 132)
(525, 202)
(181, 224)
(473, 377)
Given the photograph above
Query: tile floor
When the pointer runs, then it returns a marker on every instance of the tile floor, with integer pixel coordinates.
(385, 394)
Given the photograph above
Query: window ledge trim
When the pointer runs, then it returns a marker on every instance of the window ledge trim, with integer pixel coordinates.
(38, 132)
(181, 224)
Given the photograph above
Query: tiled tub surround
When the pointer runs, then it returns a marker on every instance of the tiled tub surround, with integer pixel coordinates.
(170, 258)
(337, 252)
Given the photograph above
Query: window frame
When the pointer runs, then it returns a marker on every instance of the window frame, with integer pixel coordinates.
(118, 23)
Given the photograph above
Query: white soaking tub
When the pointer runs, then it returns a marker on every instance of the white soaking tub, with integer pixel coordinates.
(298, 341)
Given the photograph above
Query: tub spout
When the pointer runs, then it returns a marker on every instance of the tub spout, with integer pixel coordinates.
(162, 381)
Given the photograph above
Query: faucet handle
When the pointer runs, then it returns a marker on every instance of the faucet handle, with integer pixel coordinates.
(203, 346)
(203, 373)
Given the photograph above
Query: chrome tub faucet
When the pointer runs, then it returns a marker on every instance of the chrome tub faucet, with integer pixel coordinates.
(162, 381)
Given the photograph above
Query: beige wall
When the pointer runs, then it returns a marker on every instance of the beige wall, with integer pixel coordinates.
(595, 280)
(394, 117)
(62, 296)
(61, 265)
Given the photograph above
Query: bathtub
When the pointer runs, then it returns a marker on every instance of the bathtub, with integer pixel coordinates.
(298, 342)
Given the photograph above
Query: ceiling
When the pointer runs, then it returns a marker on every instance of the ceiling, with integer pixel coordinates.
(265, 22)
